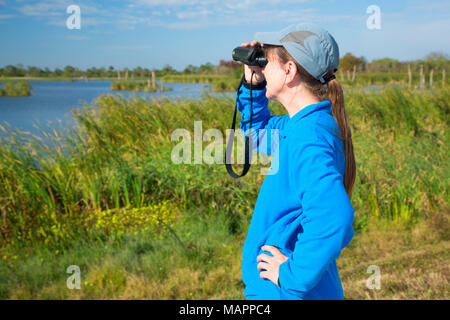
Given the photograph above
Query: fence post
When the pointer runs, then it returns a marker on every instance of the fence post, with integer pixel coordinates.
(422, 77)
(354, 73)
(118, 74)
(409, 76)
(431, 77)
(443, 77)
(153, 80)
(126, 74)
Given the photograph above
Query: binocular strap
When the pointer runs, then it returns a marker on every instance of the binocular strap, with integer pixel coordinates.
(247, 138)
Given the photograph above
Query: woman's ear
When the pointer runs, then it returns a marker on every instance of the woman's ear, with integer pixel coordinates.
(291, 71)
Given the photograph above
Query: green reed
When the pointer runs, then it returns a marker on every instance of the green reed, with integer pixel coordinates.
(119, 156)
(219, 83)
(16, 89)
(132, 85)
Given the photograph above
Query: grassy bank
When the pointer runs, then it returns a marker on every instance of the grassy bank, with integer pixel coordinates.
(15, 89)
(230, 82)
(363, 79)
(137, 86)
(219, 83)
(64, 202)
(413, 263)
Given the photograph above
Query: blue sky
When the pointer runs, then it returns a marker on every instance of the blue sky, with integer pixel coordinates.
(153, 33)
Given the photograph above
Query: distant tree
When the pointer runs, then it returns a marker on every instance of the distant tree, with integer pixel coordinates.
(228, 67)
(21, 72)
(137, 72)
(190, 69)
(206, 68)
(230, 64)
(78, 73)
(102, 72)
(437, 60)
(34, 72)
(385, 65)
(111, 72)
(46, 72)
(69, 71)
(349, 61)
(92, 72)
(57, 72)
(12, 71)
(437, 56)
(146, 73)
(168, 70)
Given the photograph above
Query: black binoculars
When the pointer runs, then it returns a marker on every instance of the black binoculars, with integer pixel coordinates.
(251, 56)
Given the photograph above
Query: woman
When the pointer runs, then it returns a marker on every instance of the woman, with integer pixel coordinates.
(303, 216)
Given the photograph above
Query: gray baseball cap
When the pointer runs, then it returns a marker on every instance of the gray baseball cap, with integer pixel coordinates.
(310, 45)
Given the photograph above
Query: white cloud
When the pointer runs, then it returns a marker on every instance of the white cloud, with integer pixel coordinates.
(6, 16)
(179, 14)
(403, 35)
(40, 9)
(194, 14)
(172, 3)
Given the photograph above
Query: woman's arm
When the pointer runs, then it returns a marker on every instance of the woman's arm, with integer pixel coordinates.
(264, 132)
(326, 219)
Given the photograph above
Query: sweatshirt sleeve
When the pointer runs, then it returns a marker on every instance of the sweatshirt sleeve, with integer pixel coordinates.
(265, 128)
(327, 217)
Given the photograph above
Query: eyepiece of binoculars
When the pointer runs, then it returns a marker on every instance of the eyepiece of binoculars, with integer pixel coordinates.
(251, 56)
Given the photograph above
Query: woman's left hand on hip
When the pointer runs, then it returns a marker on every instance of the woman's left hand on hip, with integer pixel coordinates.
(269, 266)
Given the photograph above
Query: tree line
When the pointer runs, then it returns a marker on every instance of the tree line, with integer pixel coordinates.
(19, 70)
(348, 62)
(432, 61)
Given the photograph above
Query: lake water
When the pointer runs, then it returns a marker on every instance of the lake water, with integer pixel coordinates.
(53, 100)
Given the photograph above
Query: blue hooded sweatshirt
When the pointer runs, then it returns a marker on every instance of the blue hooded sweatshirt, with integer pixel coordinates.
(302, 207)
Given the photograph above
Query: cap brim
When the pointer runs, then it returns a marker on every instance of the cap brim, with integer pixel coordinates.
(272, 38)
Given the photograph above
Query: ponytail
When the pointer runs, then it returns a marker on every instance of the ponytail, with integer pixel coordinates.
(336, 97)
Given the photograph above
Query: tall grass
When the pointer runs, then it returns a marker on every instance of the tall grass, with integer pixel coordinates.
(136, 86)
(106, 196)
(363, 79)
(230, 82)
(16, 89)
(401, 142)
(119, 156)
(219, 83)
(194, 78)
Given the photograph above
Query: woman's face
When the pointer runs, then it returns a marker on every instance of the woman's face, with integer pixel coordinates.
(275, 76)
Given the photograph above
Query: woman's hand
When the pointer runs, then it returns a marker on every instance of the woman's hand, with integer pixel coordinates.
(259, 76)
(269, 266)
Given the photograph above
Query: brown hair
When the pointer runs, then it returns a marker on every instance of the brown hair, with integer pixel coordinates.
(336, 96)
